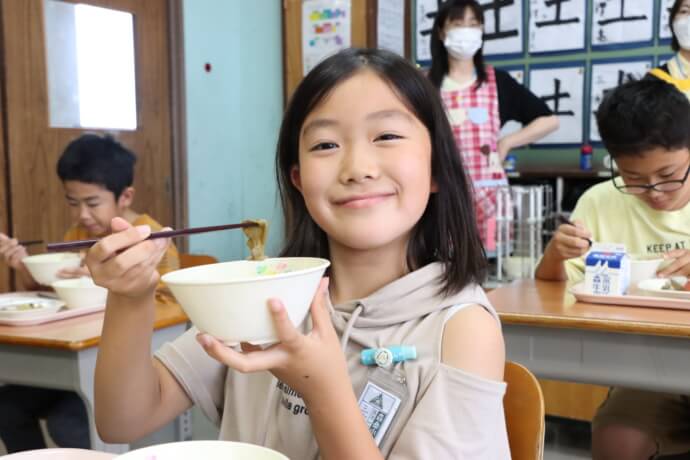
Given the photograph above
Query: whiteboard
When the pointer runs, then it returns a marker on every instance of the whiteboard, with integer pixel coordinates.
(605, 77)
(562, 88)
(424, 21)
(664, 17)
(616, 22)
(513, 126)
(503, 26)
(557, 25)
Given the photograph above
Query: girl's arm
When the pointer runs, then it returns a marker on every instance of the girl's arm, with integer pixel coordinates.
(534, 131)
(473, 342)
(134, 394)
(314, 366)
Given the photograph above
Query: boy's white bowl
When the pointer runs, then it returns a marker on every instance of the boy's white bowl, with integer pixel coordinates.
(643, 269)
(80, 292)
(207, 450)
(44, 267)
(229, 300)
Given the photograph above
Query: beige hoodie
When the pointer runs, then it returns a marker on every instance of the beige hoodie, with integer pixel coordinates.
(442, 412)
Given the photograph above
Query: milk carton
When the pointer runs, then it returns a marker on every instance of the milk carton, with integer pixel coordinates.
(607, 269)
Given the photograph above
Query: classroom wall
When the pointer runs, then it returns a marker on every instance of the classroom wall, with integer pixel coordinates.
(233, 116)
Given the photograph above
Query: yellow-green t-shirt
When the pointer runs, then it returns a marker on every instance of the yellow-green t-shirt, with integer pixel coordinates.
(615, 217)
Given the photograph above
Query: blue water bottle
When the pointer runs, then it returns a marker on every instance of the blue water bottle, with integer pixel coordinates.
(586, 157)
(510, 162)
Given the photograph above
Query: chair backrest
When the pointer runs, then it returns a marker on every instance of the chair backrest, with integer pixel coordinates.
(192, 260)
(524, 409)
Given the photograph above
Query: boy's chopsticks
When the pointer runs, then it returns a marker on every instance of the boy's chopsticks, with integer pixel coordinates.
(30, 242)
(83, 244)
(565, 220)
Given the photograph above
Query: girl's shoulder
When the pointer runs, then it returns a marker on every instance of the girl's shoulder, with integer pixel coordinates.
(473, 342)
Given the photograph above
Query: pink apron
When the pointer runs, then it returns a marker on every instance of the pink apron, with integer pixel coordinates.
(474, 117)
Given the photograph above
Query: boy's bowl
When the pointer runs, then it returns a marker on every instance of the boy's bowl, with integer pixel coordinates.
(80, 292)
(207, 450)
(643, 269)
(229, 300)
(44, 267)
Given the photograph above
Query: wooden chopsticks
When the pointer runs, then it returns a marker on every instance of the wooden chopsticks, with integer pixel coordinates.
(83, 244)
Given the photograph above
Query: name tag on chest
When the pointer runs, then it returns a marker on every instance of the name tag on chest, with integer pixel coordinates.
(378, 407)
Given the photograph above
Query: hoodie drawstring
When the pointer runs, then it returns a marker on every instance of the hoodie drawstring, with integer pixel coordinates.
(350, 324)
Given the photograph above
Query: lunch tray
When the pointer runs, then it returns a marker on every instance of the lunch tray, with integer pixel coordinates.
(628, 300)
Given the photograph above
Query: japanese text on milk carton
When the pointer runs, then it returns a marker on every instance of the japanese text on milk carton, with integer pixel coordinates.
(607, 269)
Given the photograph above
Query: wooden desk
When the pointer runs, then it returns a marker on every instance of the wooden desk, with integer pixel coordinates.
(558, 338)
(62, 355)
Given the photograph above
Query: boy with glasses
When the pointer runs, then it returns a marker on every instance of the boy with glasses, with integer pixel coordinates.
(645, 126)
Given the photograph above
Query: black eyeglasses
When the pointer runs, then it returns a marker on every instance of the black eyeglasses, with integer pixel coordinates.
(664, 186)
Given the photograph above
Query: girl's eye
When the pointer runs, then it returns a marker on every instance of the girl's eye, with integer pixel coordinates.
(324, 146)
(387, 137)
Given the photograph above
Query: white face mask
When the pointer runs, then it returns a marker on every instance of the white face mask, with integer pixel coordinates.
(463, 42)
(681, 27)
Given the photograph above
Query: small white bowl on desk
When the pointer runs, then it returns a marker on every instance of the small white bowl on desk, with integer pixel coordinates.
(45, 267)
(80, 292)
(207, 450)
(229, 300)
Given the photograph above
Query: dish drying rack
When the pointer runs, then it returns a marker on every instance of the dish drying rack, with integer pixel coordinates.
(525, 220)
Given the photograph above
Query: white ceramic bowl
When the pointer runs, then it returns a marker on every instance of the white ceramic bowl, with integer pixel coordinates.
(643, 269)
(60, 454)
(207, 450)
(229, 300)
(80, 292)
(44, 267)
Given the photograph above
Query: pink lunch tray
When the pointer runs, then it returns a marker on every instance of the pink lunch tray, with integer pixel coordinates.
(629, 300)
(63, 313)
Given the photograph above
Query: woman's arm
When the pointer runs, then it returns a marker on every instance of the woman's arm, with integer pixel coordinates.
(534, 131)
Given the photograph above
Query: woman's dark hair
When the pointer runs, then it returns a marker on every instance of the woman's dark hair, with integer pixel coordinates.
(99, 160)
(675, 45)
(450, 11)
(643, 115)
(447, 231)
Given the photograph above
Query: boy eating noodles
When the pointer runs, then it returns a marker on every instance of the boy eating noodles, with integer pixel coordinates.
(97, 174)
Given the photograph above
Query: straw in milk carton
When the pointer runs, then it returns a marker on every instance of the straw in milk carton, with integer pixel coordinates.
(607, 269)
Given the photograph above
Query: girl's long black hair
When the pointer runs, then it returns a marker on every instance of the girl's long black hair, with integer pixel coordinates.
(447, 231)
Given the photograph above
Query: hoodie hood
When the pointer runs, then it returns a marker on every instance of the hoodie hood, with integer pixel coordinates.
(411, 297)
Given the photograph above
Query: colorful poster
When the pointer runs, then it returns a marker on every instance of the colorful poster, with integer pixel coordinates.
(557, 25)
(618, 22)
(326, 29)
(605, 77)
(562, 88)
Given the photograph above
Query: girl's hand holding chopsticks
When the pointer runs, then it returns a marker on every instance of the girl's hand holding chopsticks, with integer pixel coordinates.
(125, 262)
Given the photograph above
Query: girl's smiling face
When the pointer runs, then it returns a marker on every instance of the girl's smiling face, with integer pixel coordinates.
(364, 165)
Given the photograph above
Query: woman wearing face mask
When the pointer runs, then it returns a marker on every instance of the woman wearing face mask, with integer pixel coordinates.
(479, 100)
(677, 70)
